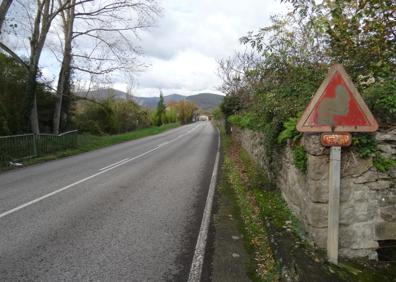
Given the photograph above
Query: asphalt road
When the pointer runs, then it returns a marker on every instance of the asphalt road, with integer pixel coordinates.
(86, 218)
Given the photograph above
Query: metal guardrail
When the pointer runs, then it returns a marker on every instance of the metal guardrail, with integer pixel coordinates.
(15, 148)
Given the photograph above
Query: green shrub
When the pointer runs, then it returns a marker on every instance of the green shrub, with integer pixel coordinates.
(300, 158)
(382, 163)
(381, 98)
(217, 114)
(235, 120)
(289, 131)
(111, 117)
(90, 126)
(3, 121)
(365, 145)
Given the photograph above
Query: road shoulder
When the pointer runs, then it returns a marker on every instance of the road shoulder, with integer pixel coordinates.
(226, 257)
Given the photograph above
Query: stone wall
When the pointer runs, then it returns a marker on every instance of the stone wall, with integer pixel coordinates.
(368, 197)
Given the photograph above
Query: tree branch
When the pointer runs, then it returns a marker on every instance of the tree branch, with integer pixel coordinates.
(12, 54)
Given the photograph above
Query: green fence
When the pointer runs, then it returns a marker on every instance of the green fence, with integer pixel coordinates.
(18, 147)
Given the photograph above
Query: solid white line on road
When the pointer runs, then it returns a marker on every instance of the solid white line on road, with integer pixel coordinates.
(103, 168)
(199, 254)
(163, 144)
(113, 166)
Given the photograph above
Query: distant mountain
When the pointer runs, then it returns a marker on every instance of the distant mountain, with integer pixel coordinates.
(148, 102)
(103, 94)
(152, 102)
(205, 101)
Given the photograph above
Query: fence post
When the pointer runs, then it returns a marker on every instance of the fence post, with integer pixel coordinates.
(34, 145)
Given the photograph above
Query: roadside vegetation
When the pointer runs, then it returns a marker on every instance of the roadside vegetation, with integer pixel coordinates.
(96, 42)
(88, 142)
(269, 86)
(274, 237)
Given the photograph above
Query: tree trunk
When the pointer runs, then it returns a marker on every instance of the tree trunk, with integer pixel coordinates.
(41, 27)
(32, 100)
(5, 5)
(63, 88)
(34, 121)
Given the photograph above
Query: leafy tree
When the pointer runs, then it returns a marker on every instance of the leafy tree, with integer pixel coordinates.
(293, 55)
(184, 110)
(161, 108)
(13, 114)
(110, 117)
(362, 36)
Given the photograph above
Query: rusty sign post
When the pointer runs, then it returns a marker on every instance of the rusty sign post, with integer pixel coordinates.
(335, 110)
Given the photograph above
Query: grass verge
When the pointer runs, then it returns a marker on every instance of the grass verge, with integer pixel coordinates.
(89, 142)
(262, 266)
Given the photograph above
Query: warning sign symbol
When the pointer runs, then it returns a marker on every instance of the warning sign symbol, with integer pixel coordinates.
(337, 106)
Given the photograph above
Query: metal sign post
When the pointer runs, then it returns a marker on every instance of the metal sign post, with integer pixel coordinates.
(334, 204)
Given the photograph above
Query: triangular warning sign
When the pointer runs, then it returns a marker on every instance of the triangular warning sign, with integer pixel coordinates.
(337, 107)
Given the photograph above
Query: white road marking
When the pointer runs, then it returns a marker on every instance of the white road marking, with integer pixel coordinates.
(199, 254)
(109, 168)
(103, 168)
(163, 144)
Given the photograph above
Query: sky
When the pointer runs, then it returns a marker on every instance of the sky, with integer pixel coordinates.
(183, 50)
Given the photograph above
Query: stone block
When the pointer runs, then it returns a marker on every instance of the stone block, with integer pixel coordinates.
(316, 214)
(380, 185)
(360, 195)
(287, 157)
(369, 176)
(312, 145)
(353, 166)
(387, 200)
(388, 213)
(318, 167)
(292, 175)
(357, 212)
(318, 190)
(385, 231)
(346, 188)
(388, 149)
(386, 136)
(292, 193)
(357, 236)
(351, 253)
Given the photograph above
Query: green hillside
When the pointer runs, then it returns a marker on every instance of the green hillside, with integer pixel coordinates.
(206, 101)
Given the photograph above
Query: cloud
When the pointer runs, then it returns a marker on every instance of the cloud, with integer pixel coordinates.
(182, 50)
(192, 36)
(188, 68)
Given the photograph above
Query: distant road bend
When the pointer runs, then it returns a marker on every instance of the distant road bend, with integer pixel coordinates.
(129, 212)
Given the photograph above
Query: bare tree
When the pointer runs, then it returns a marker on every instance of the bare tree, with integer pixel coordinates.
(105, 32)
(110, 27)
(4, 6)
(63, 87)
(45, 12)
(235, 71)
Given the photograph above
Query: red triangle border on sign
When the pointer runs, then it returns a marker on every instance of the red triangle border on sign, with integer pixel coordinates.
(302, 125)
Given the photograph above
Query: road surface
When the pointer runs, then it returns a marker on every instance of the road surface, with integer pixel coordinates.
(129, 212)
